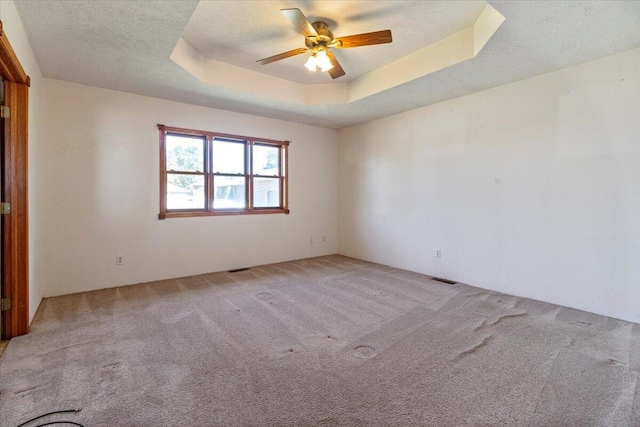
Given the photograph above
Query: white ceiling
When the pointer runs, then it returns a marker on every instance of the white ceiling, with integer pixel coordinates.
(253, 30)
(126, 45)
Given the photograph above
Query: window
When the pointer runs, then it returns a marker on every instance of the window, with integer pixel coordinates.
(207, 173)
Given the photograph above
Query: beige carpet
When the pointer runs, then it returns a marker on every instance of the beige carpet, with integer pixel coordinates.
(328, 341)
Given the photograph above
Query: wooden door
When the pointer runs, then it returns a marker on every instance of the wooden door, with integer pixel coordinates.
(1, 200)
(15, 239)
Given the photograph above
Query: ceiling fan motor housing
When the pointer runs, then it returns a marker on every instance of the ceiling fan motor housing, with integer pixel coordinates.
(324, 37)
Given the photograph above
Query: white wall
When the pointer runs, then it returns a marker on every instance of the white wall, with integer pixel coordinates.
(12, 26)
(102, 181)
(532, 188)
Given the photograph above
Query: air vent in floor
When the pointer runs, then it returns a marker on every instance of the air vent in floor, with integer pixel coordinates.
(237, 270)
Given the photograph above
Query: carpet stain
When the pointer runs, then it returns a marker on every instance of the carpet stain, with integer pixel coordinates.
(476, 347)
(364, 352)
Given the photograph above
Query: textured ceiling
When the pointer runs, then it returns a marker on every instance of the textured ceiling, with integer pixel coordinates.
(254, 30)
(125, 45)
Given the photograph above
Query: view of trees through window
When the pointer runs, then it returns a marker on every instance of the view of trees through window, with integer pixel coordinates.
(184, 154)
(243, 174)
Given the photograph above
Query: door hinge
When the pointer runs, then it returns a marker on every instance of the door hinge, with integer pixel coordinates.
(5, 208)
(5, 304)
(5, 112)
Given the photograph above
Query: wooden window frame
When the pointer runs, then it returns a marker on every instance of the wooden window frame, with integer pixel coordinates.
(15, 244)
(210, 175)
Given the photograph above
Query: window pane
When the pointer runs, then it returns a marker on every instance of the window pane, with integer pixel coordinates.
(229, 192)
(184, 153)
(228, 157)
(265, 160)
(185, 191)
(266, 192)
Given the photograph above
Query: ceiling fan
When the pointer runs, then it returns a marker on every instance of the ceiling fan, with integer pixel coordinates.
(319, 40)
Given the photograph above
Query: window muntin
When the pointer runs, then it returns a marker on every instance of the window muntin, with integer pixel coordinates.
(206, 173)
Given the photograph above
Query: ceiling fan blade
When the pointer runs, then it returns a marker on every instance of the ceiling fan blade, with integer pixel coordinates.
(337, 70)
(366, 39)
(302, 24)
(284, 55)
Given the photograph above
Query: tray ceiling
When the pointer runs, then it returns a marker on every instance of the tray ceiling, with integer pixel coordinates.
(128, 46)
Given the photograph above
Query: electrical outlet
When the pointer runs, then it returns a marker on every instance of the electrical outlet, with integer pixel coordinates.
(324, 238)
(119, 259)
(438, 253)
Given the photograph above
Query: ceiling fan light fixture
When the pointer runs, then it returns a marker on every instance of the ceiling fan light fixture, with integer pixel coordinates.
(327, 68)
(319, 39)
(323, 61)
(311, 63)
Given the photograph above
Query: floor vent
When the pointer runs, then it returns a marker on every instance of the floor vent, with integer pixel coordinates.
(237, 270)
(447, 281)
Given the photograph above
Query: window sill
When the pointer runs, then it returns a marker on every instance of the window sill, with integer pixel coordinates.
(189, 214)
